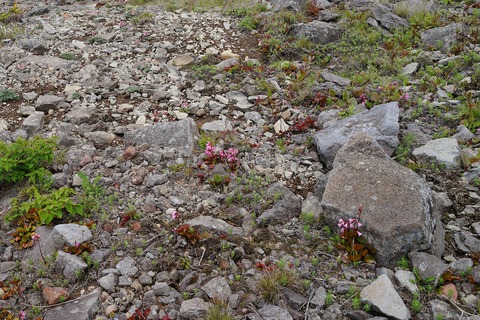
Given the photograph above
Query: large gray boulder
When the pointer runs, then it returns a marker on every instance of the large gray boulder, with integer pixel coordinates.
(318, 32)
(442, 38)
(179, 135)
(398, 213)
(380, 122)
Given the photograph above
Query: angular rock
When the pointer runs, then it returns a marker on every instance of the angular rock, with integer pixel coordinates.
(182, 60)
(442, 310)
(217, 288)
(387, 18)
(55, 294)
(217, 125)
(363, 175)
(127, 267)
(35, 46)
(295, 5)
(80, 115)
(319, 297)
(108, 282)
(285, 209)
(318, 32)
(69, 265)
(47, 102)
(101, 139)
(383, 297)
(380, 122)
(407, 280)
(33, 123)
(410, 68)
(180, 135)
(442, 38)
(294, 300)
(215, 225)
(429, 266)
(271, 312)
(70, 234)
(82, 308)
(444, 151)
(328, 76)
(195, 308)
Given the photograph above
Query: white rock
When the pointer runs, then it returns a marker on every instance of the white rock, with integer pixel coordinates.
(280, 126)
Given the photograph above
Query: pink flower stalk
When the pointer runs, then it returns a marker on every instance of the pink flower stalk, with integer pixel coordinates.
(351, 224)
(175, 214)
(22, 315)
(36, 237)
(209, 150)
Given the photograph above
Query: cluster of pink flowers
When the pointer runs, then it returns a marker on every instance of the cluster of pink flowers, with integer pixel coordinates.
(350, 224)
(229, 155)
(210, 150)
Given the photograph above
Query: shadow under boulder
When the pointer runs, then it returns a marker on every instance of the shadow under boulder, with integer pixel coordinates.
(398, 214)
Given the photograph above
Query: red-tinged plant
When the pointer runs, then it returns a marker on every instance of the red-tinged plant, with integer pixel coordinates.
(312, 9)
(78, 248)
(302, 125)
(319, 100)
(11, 289)
(140, 314)
(188, 232)
(352, 241)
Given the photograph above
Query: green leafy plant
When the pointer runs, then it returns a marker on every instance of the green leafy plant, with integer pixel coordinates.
(403, 263)
(48, 207)
(67, 56)
(23, 157)
(7, 95)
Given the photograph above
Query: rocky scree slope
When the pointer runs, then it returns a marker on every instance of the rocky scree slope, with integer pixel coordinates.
(204, 146)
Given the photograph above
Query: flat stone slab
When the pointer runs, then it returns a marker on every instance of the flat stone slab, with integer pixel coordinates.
(180, 135)
(83, 308)
(444, 151)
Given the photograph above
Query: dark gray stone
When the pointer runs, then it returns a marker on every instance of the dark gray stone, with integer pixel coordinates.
(47, 102)
(285, 209)
(428, 265)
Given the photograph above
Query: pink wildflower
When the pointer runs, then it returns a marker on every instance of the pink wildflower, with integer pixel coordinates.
(174, 214)
(209, 150)
(22, 315)
(36, 237)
